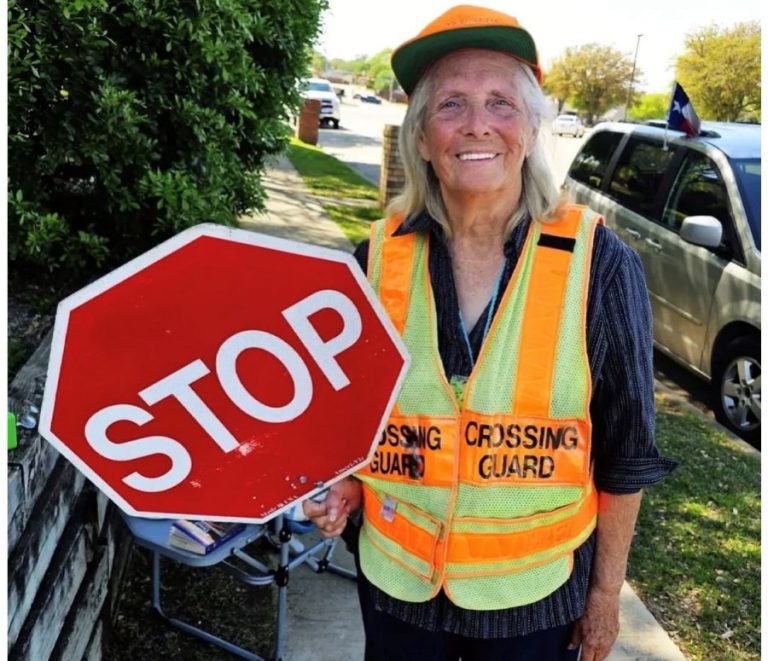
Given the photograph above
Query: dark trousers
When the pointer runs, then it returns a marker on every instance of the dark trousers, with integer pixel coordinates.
(390, 639)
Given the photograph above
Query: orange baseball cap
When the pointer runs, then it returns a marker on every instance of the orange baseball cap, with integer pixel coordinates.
(463, 26)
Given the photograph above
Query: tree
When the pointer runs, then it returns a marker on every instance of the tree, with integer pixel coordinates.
(593, 78)
(380, 72)
(340, 65)
(557, 84)
(720, 71)
(130, 121)
(650, 106)
(359, 67)
(320, 63)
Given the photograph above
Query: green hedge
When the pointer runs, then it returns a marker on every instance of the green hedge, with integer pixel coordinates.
(131, 120)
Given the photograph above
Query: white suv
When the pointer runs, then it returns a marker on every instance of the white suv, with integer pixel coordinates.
(691, 209)
(568, 125)
(330, 107)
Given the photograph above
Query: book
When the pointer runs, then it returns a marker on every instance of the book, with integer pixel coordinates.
(201, 537)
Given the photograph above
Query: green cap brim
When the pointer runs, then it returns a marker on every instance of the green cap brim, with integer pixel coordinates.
(411, 60)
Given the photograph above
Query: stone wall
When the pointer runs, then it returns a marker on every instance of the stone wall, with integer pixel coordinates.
(308, 122)
(67, 547)
(392, 177)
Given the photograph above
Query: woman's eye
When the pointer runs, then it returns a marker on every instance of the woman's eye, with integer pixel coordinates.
(506, 107)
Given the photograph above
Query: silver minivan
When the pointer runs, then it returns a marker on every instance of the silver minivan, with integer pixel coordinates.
(690, 207)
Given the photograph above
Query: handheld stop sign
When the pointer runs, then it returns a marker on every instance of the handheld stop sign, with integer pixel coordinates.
(222, 375)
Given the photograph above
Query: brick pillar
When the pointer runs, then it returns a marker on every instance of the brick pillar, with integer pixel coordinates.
(392, 177)
(309, 121)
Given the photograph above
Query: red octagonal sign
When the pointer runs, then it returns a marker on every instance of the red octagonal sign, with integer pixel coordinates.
(223, 375)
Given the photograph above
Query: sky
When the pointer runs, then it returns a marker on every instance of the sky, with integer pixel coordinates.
(363, 27)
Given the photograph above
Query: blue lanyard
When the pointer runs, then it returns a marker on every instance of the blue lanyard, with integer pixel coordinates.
(488, 320)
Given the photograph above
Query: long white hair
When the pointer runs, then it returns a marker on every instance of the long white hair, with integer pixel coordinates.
(539, 197)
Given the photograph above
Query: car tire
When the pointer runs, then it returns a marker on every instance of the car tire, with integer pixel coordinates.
(737, 389)
(335, 123)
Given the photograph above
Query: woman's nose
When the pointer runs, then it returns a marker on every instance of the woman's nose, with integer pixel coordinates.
(476, 120)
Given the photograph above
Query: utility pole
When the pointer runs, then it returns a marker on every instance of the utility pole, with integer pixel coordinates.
(632, 78)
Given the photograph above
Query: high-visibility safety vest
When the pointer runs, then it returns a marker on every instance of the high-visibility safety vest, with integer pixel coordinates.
(488, 498)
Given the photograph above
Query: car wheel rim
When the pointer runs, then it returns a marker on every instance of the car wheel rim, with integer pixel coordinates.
(740, 393)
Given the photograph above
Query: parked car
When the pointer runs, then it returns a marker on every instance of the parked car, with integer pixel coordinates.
(330, 106)
(568, 125)
(367, 98)
(691, 209)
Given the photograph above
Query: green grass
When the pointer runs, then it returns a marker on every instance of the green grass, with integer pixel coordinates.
(354, 221)
(695, 560)
(347, 198)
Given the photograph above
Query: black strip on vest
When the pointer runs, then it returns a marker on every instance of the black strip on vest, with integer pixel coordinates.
(557, 242)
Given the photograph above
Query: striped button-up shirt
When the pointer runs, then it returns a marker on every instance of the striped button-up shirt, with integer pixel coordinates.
(619, 347)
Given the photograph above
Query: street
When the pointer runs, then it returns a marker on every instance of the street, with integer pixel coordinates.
(358, 143)
(358, 140)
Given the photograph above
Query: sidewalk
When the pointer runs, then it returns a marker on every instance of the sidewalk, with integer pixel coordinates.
(324, 622)
(292, 212)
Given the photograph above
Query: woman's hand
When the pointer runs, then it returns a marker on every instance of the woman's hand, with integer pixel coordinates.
(598, 628)
(331, 516)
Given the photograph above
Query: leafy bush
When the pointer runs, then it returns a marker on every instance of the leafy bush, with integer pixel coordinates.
(130, 121)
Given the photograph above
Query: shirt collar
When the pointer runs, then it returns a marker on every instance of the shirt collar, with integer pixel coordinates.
(419, 221)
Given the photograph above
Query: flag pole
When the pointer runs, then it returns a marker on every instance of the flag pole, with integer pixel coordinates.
(669, 110)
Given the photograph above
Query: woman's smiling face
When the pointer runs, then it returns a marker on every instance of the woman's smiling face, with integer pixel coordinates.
(476, 133)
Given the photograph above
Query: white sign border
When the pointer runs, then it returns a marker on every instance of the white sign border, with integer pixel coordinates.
(145, 260)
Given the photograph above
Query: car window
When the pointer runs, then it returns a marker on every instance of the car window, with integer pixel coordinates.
(316, 86)
(747, 173)
(698, 191)
(639, 173)
(590, 164)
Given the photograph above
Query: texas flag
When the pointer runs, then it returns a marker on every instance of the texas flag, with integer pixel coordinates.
(682, 116)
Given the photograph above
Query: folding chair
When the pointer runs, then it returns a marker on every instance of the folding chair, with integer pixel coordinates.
(152, 534)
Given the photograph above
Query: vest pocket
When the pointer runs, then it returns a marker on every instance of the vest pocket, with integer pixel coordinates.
(405, 534)
(479, 544)
(493, 591)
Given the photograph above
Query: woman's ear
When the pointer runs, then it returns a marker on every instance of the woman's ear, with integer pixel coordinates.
(531, 142)
(423, 148)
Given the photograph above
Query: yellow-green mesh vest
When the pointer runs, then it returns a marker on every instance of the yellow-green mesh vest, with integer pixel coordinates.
(436, 512)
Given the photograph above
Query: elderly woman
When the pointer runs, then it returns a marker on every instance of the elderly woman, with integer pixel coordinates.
(498, 510)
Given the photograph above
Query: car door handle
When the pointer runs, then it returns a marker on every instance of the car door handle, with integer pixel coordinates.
(654, 244)
(633, 233)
